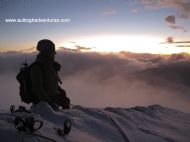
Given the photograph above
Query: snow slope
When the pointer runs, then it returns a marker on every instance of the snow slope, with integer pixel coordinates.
(140, 124)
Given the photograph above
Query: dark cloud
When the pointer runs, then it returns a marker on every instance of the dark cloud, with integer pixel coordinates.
(124, 79)
(181, 6)
(78, 48)
(178, 27)
(171, 21)
(169, 40)
(67, 49)
(82, 48)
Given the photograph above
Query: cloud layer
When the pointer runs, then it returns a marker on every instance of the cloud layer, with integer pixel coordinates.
(119, 80)
(170, 40)
(171, 21)
(181, 6)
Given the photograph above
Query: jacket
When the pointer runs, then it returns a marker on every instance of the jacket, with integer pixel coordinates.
(44, 80)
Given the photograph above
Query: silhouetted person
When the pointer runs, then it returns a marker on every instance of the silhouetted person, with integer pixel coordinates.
(45, 79)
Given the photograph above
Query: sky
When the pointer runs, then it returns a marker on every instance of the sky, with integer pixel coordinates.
(141, 26)
(118, 53)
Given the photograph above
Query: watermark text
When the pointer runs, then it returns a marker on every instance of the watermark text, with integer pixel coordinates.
(37, 20)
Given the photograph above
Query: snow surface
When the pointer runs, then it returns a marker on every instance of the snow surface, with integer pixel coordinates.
(140, 124)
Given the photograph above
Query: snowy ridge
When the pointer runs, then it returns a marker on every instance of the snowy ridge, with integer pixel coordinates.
(139, 124)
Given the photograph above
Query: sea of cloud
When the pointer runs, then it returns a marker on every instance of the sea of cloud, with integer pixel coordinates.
(109, 79)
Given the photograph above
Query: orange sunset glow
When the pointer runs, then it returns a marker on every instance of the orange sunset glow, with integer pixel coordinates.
(135, 43)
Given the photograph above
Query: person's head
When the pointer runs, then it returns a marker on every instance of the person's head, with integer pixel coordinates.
(47, 48)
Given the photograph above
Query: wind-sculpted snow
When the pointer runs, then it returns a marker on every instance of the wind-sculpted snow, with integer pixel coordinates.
(139, 124)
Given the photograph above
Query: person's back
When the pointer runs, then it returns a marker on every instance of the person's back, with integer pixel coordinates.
(44, 82)
(43, 75)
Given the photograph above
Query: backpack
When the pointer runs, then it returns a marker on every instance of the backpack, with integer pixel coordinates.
(25, 89)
